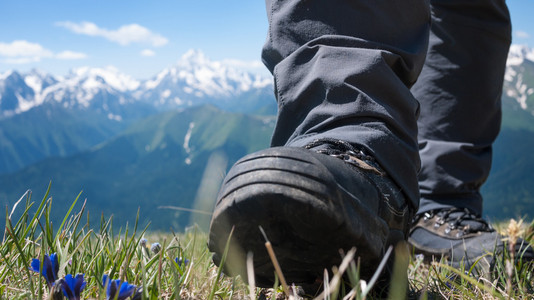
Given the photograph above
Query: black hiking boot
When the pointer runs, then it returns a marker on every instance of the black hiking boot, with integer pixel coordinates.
(462, 239)
(311, 203)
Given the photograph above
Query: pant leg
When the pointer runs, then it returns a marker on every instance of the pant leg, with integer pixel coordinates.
(459, 91)
(343, 69)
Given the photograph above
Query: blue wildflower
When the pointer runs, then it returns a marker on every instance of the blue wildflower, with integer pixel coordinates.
(156, 247)
(181, 261)
(49, 270)
(450, 281)
(124, 289)
(138, 295)
(143, 242)
(72, 286)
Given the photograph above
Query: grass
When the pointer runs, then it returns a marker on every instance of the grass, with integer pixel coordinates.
(131, 254)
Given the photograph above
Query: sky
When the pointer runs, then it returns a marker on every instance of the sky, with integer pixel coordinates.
(141, 38)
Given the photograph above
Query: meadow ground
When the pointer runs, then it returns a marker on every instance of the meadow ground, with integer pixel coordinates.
(125, 262)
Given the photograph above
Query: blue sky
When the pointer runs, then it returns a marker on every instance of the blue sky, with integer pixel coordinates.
(141, 38)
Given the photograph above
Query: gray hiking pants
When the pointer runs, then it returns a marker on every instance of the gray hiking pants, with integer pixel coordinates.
(414, 84)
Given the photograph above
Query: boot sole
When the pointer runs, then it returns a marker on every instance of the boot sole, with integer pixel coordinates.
(306, 215)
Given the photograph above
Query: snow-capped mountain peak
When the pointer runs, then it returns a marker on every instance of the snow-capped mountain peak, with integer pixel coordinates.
(38, 80)
(5, 74)
(110, 75)
(194, 79)
(518, 84)
(519, 53)
(154, 82)
(197, 79)
(194, 57)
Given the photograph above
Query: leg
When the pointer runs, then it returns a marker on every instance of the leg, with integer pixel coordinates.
(342, 72)
(460, 94)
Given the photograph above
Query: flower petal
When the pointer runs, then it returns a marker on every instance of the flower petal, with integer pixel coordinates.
(126, 290)
(55, 263)
(79, 284)
(73, 286)
(66, 286)
(35, 265)
(138, 295)
(105, 279)
(180, 261)
(48, 271)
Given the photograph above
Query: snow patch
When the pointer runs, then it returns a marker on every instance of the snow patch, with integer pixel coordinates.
(187, 138)
(23, 103)
(34, 82)
(92, 83)
(518, 53)
(114, 117)
(110, 75)
(150, 84)
(261, 82)
(6, 74)
(509, 74)
(520, 91)
(166, 93)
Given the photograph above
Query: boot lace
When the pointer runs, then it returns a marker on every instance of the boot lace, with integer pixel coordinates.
(461, 219)
(347, 152)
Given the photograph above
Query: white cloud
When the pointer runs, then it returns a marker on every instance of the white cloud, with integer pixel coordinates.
(20, 60)
(522, 34)
(124, 35)
(21, 51)
(24, 52)
(148, 52)
(70, 55)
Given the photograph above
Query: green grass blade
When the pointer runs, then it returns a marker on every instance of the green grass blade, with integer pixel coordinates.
(219, 271)
(9, 229)
(68, 214)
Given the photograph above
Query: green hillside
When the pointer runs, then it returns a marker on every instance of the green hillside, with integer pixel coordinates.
(51, 130)
(146, 166)
(160, 162)
(509, 191)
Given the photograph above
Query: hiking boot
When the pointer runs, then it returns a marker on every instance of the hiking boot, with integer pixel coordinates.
(311, 203)
(462, 238)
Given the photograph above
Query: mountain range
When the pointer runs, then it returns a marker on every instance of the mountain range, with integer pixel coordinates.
(193, 80)
(42, 115)
(164, 144)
